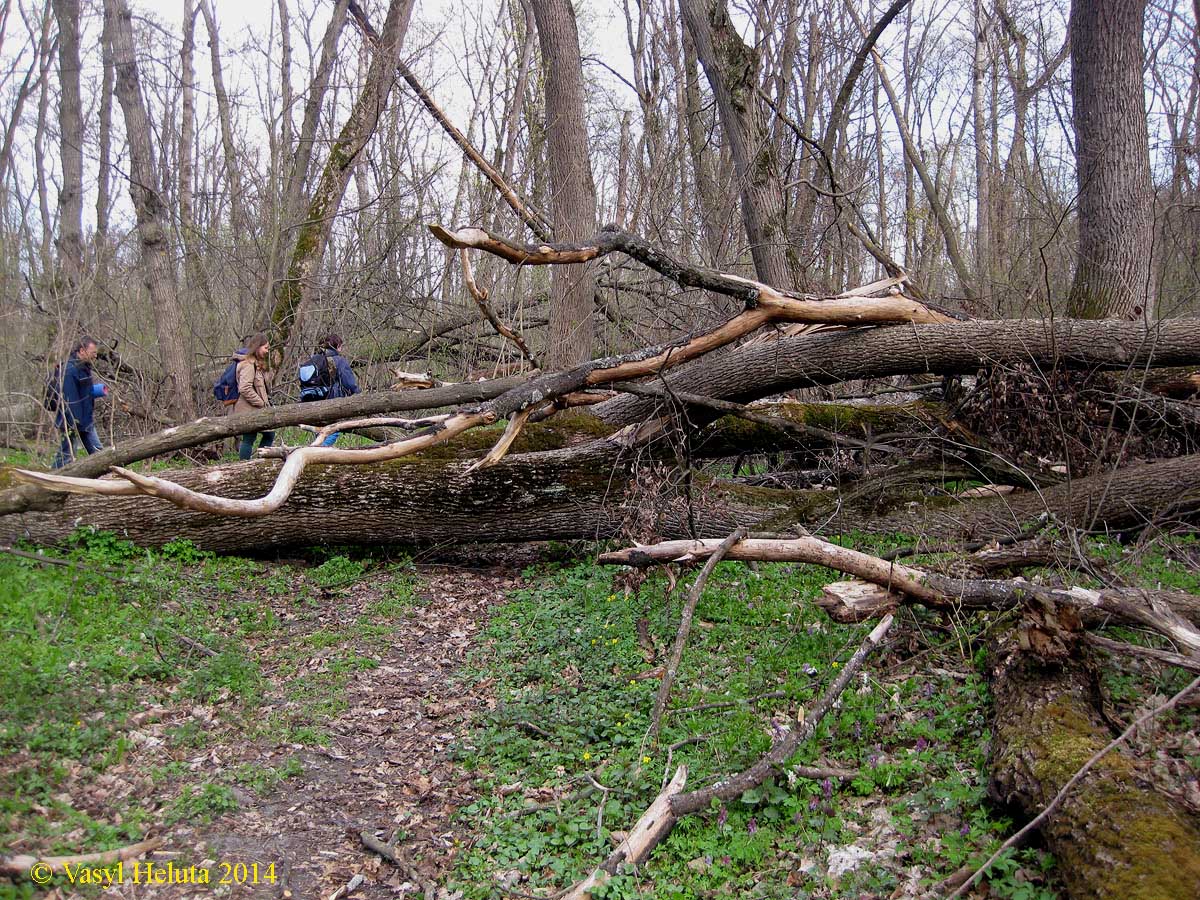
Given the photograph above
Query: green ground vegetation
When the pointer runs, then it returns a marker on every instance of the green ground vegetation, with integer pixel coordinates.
(104, 642)
(564, 761)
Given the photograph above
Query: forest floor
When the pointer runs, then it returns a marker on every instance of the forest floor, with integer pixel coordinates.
(489, 725)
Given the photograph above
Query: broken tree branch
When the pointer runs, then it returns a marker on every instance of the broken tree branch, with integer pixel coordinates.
(1162, 611)
(480, 296)
(20, 865)
(655, 823)
(771, 303)
(733, 787)
(685, 626)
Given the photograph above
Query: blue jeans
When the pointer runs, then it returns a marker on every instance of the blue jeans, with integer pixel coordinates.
(331, 440)
(66, 451)
(246, 450)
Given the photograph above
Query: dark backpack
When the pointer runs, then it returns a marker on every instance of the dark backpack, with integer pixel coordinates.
(317, 374)
(226, 389)
(52, 393)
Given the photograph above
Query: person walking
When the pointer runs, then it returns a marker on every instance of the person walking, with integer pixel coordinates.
(342, 382)
(252, 390)
(76, 406)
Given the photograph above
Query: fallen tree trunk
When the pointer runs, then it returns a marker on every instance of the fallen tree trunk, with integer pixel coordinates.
(830, 357)
(1112, 837)
(754, 371)
(587, 491)
(215, 428)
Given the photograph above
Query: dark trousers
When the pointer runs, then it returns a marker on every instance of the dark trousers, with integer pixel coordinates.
(246, 449)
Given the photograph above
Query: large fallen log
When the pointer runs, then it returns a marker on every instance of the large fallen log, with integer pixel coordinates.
(744, 374)
(564, 492)
(1112, 837)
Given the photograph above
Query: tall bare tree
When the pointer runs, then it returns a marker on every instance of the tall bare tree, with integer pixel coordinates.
(146, 194)
(574, 202)
(70, 133)
(732, 70)
(1114, 274)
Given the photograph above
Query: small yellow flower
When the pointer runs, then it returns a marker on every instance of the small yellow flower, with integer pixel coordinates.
(836, 664)
(586, 756)
(645, 759)
(612, 597)
(593, 642)
(613, 641)
(632, 683)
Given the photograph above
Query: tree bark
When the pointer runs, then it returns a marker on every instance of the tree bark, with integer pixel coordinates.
(732, 70)
(157, 271)
(566, 493)
(571, 334)
(1111, 836)
(1114, 277)
(70, 124)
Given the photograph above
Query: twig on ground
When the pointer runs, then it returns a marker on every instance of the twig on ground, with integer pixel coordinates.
(685, 626)
(783, 749)
(394, 855)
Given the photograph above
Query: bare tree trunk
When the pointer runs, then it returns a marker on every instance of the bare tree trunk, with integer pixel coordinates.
(301, 155)
(151, 215)
(187, 138)
(285, 84)
(1114, 277)
(232, 173)
(983, 241)
(313, 235)
(103, 175)
(707, 201)
(70, 124)
(571, 333)
(732, 70)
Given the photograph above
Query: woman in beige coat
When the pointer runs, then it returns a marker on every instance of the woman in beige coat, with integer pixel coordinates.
(252, 390)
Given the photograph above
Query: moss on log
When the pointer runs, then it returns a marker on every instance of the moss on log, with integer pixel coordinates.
(1112, 836)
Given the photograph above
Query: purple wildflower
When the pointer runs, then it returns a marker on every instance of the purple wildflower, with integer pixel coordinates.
(921, 744)
(722, 816)
(827, 788)
(752, 825)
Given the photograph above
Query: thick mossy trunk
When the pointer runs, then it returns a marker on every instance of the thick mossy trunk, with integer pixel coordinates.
(588, 491)
(1112, 836)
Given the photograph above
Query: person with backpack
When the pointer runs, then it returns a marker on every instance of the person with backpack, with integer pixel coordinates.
(327, 375)
(76, 401)
(226, 389)
(251, 373)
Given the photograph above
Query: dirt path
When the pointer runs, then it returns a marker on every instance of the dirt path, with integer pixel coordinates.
(387, 769)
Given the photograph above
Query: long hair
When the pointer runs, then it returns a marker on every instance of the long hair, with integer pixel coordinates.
(252, 347)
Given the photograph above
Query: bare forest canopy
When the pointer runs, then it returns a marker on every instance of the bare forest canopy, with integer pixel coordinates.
(947, 148)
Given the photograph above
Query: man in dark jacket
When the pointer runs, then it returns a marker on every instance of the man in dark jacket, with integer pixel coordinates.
(344, 382)
(76, 409)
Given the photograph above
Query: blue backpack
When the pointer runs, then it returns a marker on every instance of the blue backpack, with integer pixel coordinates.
(226, 389)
